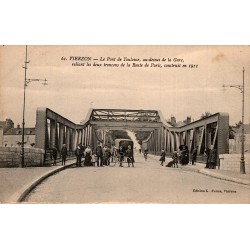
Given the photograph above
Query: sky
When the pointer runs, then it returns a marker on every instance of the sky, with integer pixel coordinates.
(72, 90)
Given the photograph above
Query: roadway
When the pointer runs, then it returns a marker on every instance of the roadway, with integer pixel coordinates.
(148, 182)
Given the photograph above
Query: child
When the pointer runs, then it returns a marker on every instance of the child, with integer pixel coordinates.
(175, 159)
(93, 159)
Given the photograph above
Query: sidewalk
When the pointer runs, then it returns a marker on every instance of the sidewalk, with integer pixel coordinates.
(14, 181)
(216, 173)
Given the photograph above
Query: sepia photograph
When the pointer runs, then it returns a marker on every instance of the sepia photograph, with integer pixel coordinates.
(124, 124)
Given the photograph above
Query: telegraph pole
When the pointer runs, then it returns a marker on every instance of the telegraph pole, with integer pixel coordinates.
(242, 90)
(26, 82)
(24, 88)
(242, 159)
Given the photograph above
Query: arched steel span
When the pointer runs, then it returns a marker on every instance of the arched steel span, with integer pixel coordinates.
(53, 129)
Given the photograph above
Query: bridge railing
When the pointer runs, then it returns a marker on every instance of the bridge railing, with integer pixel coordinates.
(54, 130)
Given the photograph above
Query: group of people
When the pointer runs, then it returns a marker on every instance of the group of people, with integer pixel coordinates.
(173, 163)
(128, 153)
(106, 155)
(183, 157)
(103, 156)
(100, 156)
(63, 154)
(80, 153)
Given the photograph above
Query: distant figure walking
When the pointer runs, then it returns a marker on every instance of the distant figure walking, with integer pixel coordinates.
(145, 154)
(163, 157)
(64, 153)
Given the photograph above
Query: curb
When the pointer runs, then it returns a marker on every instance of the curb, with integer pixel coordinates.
(219, 176)
(223, 177)
(20, 196)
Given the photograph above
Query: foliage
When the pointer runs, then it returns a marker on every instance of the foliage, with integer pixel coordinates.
(238, 124)
(205, 115)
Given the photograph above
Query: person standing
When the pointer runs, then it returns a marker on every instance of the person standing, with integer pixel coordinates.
(54, 152)
(99, 155)
(64, 153)
(108, 154)
(78, 154)
(88, 156)
(163, 157)
(120, 156)
(175, 159)
(212, 159)
(93, 159)
(105, 155)
(113, 153)
(194, 155)
(207, 154)
(130, 156)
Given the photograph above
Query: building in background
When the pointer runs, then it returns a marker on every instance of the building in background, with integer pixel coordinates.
(12, 137)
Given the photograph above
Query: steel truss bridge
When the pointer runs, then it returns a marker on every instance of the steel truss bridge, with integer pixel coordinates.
(53, 129)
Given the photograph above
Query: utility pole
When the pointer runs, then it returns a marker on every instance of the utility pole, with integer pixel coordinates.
(25, 75)
(26, 82)
(242, 90)
(242, 159)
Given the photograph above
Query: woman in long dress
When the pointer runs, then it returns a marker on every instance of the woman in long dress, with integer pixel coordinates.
(88, 156)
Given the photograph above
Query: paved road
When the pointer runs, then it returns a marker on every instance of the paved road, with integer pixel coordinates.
(13, 179)
(148, 182)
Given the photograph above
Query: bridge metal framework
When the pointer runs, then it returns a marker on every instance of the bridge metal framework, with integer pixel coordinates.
(53, 129)
(212, 131)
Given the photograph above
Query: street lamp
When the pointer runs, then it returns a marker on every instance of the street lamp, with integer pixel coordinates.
(26, 82)
(241, 88)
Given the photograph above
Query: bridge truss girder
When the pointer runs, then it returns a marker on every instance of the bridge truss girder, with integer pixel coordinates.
(53, 129)
(124, 115)
(212, 131)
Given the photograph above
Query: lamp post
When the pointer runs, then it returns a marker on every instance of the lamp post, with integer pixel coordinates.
(26, 82)
(241, 88)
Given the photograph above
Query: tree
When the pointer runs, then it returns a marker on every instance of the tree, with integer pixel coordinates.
(238, 125)
(205, 115)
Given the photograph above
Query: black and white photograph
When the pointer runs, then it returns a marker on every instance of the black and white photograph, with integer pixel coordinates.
(124, 124)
